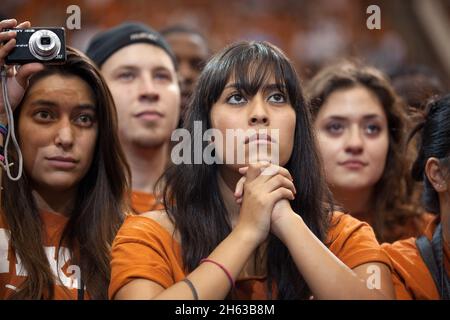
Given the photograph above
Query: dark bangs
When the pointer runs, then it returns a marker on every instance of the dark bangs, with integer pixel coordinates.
(251, 65)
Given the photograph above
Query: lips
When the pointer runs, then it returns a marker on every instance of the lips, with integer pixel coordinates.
(61, 162)
(259, 137)
(149, 115)
(353, 164)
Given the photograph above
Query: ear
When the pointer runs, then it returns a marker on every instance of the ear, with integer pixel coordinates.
(436, 175)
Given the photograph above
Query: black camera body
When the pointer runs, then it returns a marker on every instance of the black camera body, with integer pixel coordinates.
(44, 45)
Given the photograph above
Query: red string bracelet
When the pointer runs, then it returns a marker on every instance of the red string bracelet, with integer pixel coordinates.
(228, 274)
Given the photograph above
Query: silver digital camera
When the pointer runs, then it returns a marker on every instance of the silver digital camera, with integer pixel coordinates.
(44, 45)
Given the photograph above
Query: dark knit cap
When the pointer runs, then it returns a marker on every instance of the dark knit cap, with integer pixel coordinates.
(105, 43)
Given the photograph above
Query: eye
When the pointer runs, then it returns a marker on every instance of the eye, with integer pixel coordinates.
(43, 116)
(236, 99)
(85, 120)
(334, 128)
(277, 98)
(163, 76)
(126, 76)
(373, 129)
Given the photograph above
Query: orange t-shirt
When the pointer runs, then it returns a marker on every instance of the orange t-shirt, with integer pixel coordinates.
(12, 273)
(144, 202)
(144, 249)
(411, 277)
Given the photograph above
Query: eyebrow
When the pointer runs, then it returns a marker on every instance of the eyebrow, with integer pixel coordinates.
(128, 67)
(136, 68)
(45, 103)
(53, 105)
(343, 118)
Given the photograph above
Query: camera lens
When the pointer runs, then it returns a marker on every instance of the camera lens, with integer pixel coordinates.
(45, 41)
(44, 45)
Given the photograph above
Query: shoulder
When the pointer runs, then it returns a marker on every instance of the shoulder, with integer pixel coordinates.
(148, 225)
(161, 218)
(353, 241)
(411, 276)
(403, 252)
(343, 225)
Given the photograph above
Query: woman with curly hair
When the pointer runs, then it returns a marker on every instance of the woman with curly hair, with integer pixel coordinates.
(361, 129)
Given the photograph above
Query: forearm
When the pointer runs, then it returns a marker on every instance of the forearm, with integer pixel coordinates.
(209, 280)
(326, 275)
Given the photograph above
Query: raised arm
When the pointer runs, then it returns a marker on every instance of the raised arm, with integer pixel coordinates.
(327, 276)
(17, 82)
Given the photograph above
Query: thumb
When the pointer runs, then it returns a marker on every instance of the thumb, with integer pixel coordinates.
(239, 190)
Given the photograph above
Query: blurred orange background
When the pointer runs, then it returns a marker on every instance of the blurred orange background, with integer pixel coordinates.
(311, 32)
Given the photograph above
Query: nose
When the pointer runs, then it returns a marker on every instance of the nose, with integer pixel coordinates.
(355, 142)
(147, 90)
(65, 135)
(258, 113)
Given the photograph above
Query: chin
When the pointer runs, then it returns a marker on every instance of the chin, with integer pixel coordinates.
(59, 183)
(149, 139)
(353, 185)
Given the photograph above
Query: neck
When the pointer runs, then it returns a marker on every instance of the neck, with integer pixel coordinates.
(62, 204)
(227, 180)
(356, 202)
(146, 165)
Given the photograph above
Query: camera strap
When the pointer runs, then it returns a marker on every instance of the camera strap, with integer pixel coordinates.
(11, 132)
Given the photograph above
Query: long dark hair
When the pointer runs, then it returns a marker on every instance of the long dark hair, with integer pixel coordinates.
(192, 197)
(99, 205)
(392, 202)
(434, 142)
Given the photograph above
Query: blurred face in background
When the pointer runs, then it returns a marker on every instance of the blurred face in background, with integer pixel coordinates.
(144, 85)
(191, 52)
(352, 132)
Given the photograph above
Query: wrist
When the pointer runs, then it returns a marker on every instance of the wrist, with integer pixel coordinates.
(248, 237)
(283, 225)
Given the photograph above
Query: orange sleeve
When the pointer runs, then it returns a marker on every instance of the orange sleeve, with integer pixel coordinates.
(410, 275)
(143, 249)
(354, 242)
